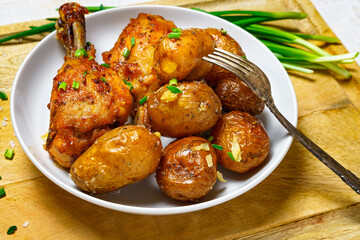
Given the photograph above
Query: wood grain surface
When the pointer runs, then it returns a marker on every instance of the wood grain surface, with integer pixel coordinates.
(301, 199)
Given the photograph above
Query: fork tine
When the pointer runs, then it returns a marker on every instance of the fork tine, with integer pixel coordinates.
(227, 64)
(233, 57)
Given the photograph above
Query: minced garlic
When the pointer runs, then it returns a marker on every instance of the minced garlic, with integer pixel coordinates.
(235, 150)
(209, 160)
(168, 96)
(220, 176)
(203, 146)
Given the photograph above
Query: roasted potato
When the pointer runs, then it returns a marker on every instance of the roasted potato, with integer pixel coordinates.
(187, 170)
(181, 58)
(237, 96)
(226, 42)
(234, 94)
(242, 137)
(193, 111)
(120, 157)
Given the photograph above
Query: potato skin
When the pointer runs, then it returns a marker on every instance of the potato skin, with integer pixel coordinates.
(182, 58)
(183, 173)
(120, 157)
(234, 94)
(193, 111)
(237, 96)
(251, 136)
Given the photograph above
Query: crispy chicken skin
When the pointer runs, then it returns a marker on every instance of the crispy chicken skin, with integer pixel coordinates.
(102, 100)
(137, 68)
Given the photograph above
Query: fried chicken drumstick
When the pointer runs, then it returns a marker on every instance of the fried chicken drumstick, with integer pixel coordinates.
(87, 99)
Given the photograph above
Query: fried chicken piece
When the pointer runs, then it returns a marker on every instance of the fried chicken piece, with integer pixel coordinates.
(87, 99)
(146, 31)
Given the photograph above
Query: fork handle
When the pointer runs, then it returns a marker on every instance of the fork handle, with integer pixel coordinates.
(347, 176)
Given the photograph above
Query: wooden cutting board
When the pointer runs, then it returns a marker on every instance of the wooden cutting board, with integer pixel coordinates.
(301, 199)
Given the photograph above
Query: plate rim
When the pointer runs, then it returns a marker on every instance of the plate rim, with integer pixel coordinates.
(137, 209)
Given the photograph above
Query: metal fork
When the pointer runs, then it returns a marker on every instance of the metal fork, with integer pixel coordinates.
(256, 79)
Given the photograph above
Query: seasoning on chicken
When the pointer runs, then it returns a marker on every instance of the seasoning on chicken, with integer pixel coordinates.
(133, 54)
(87, 99)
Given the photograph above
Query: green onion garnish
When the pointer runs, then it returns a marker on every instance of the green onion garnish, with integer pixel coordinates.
(231, 156)
(173, 81)
(174, 35)
(129, 84)
(174, 89)
(218, 147)
(126, 53)
(11, 230)
(2, 192)
(88, 43)
(143, 100)
(91, 58)
(176, 30)
(3, 96)
(75, 85)
(211, 138)
(224, 32)
(103, 79)
(9, 154)
(62, 86)
(0, 177)
(132, 41)
(105, 65)
(84, 73)
(81, 53)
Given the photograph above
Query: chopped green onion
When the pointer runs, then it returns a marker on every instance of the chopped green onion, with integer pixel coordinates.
(2, 192)
(224, 32)
(103, 79)
(88, 43)
(211, 138)
(84, 73)
(176, 30)
(173, 81)
(9, 154)
(174, 35)
(91, 58)
(51, 19)
(231, 156)
(75, 85)
(3, 96)
(132, 41)
(129, 84)
(0, 177)
(217, 147)
(81, 53)
(143, 100)
(11, 230)
(173, 89)
(62, 86)
(126, 53)
(105, 65)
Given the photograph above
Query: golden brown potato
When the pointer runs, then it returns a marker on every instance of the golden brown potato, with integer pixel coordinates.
(193, 111)
(236, 96)
(182, 58)
(120, 157)
(244, 137)
(187, 170)
(226, 42)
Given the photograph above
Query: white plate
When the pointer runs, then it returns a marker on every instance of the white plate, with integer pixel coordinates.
(30, 116)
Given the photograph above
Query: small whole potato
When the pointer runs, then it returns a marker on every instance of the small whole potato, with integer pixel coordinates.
(120, 157)
(244, 138)
(181, 58)
(226, 42)
(194, 110)
(187, 170)
(237, 96)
